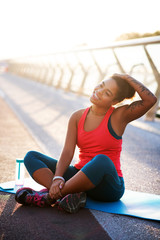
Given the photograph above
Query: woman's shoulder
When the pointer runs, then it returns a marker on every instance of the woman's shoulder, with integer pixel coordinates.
(78, 114)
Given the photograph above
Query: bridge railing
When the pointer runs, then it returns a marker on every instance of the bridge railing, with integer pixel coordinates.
(79, 70)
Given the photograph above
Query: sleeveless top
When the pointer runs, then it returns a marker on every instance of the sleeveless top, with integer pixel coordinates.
(102, 140)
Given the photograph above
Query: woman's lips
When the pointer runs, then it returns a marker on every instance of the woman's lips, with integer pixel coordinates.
(94, 95)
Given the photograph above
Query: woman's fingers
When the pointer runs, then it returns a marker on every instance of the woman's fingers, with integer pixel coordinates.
(61, 185)
(57, 193)
(122, 75)
(55, 190)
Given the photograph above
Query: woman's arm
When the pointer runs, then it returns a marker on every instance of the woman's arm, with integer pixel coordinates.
(69, 147)
(137, 108)
(66, 156)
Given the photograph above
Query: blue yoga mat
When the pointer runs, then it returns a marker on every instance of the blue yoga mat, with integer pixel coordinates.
(136, 204)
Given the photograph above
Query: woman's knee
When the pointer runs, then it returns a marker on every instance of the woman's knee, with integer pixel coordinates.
(32, 162)
(28, 157)
(102, 160)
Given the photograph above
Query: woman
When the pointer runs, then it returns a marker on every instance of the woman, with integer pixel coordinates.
(97, 131)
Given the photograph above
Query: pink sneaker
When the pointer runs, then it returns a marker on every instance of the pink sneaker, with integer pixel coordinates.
(30, 197)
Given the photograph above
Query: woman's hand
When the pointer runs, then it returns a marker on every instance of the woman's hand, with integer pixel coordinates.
(122, 75)
(55, 189)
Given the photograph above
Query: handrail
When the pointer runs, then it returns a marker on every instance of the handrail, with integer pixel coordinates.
(116, 44)
(66, 69)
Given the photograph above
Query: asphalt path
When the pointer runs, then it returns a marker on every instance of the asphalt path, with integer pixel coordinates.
(45, 112)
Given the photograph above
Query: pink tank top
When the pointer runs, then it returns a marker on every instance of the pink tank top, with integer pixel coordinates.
(98, 141)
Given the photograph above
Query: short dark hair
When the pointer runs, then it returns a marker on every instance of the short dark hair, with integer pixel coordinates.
(125, 90)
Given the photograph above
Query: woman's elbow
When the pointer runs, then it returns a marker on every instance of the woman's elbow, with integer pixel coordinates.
(154, 100)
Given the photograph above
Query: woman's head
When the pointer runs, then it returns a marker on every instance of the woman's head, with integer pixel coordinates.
(111, 91)
(125, 91)
(104, 94)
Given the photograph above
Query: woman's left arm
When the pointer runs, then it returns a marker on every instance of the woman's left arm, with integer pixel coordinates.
(138, 108)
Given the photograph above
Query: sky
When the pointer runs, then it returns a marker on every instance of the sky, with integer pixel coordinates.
(33, 27)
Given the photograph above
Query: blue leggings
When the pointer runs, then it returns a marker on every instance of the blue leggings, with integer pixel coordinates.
(100, 170)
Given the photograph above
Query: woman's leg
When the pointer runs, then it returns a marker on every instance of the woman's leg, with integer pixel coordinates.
(102, 173)
(78, 183)
(98, 178)
(42, 168)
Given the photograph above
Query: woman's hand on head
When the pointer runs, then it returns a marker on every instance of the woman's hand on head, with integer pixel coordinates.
(122, 75)
(55, 189)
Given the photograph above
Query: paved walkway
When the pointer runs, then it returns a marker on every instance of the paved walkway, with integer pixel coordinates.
(44, 112)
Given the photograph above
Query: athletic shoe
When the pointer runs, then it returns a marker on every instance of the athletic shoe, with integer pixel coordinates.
(30, 197)
(73, 202)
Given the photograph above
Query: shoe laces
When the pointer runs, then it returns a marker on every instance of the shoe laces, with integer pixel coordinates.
(35, 199)
(57, 204)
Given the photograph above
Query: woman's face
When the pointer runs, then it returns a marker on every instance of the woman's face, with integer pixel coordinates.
(105, 93)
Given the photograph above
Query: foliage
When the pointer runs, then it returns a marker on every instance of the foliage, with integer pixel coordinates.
(133, 35)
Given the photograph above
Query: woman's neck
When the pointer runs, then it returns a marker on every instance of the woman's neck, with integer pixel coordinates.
(98, 111)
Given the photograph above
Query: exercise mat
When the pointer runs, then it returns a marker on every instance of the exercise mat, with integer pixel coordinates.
(136, 204)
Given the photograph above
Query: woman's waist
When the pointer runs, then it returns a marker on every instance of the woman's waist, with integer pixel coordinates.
(112, 154)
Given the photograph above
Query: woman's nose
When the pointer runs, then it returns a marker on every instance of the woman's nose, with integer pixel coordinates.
(99, 91)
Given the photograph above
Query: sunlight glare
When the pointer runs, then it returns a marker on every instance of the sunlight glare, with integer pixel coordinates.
(37, 27)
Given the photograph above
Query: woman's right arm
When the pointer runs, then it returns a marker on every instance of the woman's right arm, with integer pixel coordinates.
(69, 146)
(66, 156)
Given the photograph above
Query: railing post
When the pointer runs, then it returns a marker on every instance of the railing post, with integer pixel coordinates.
(60, 77)
(101, 73)
(80, 91)
(68, 87)
(151, 113)
(118, 62)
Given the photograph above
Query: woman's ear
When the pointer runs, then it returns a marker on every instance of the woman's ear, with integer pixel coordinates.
(115, 101)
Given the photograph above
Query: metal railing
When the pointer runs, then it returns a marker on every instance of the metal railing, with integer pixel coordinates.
(79, 70)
